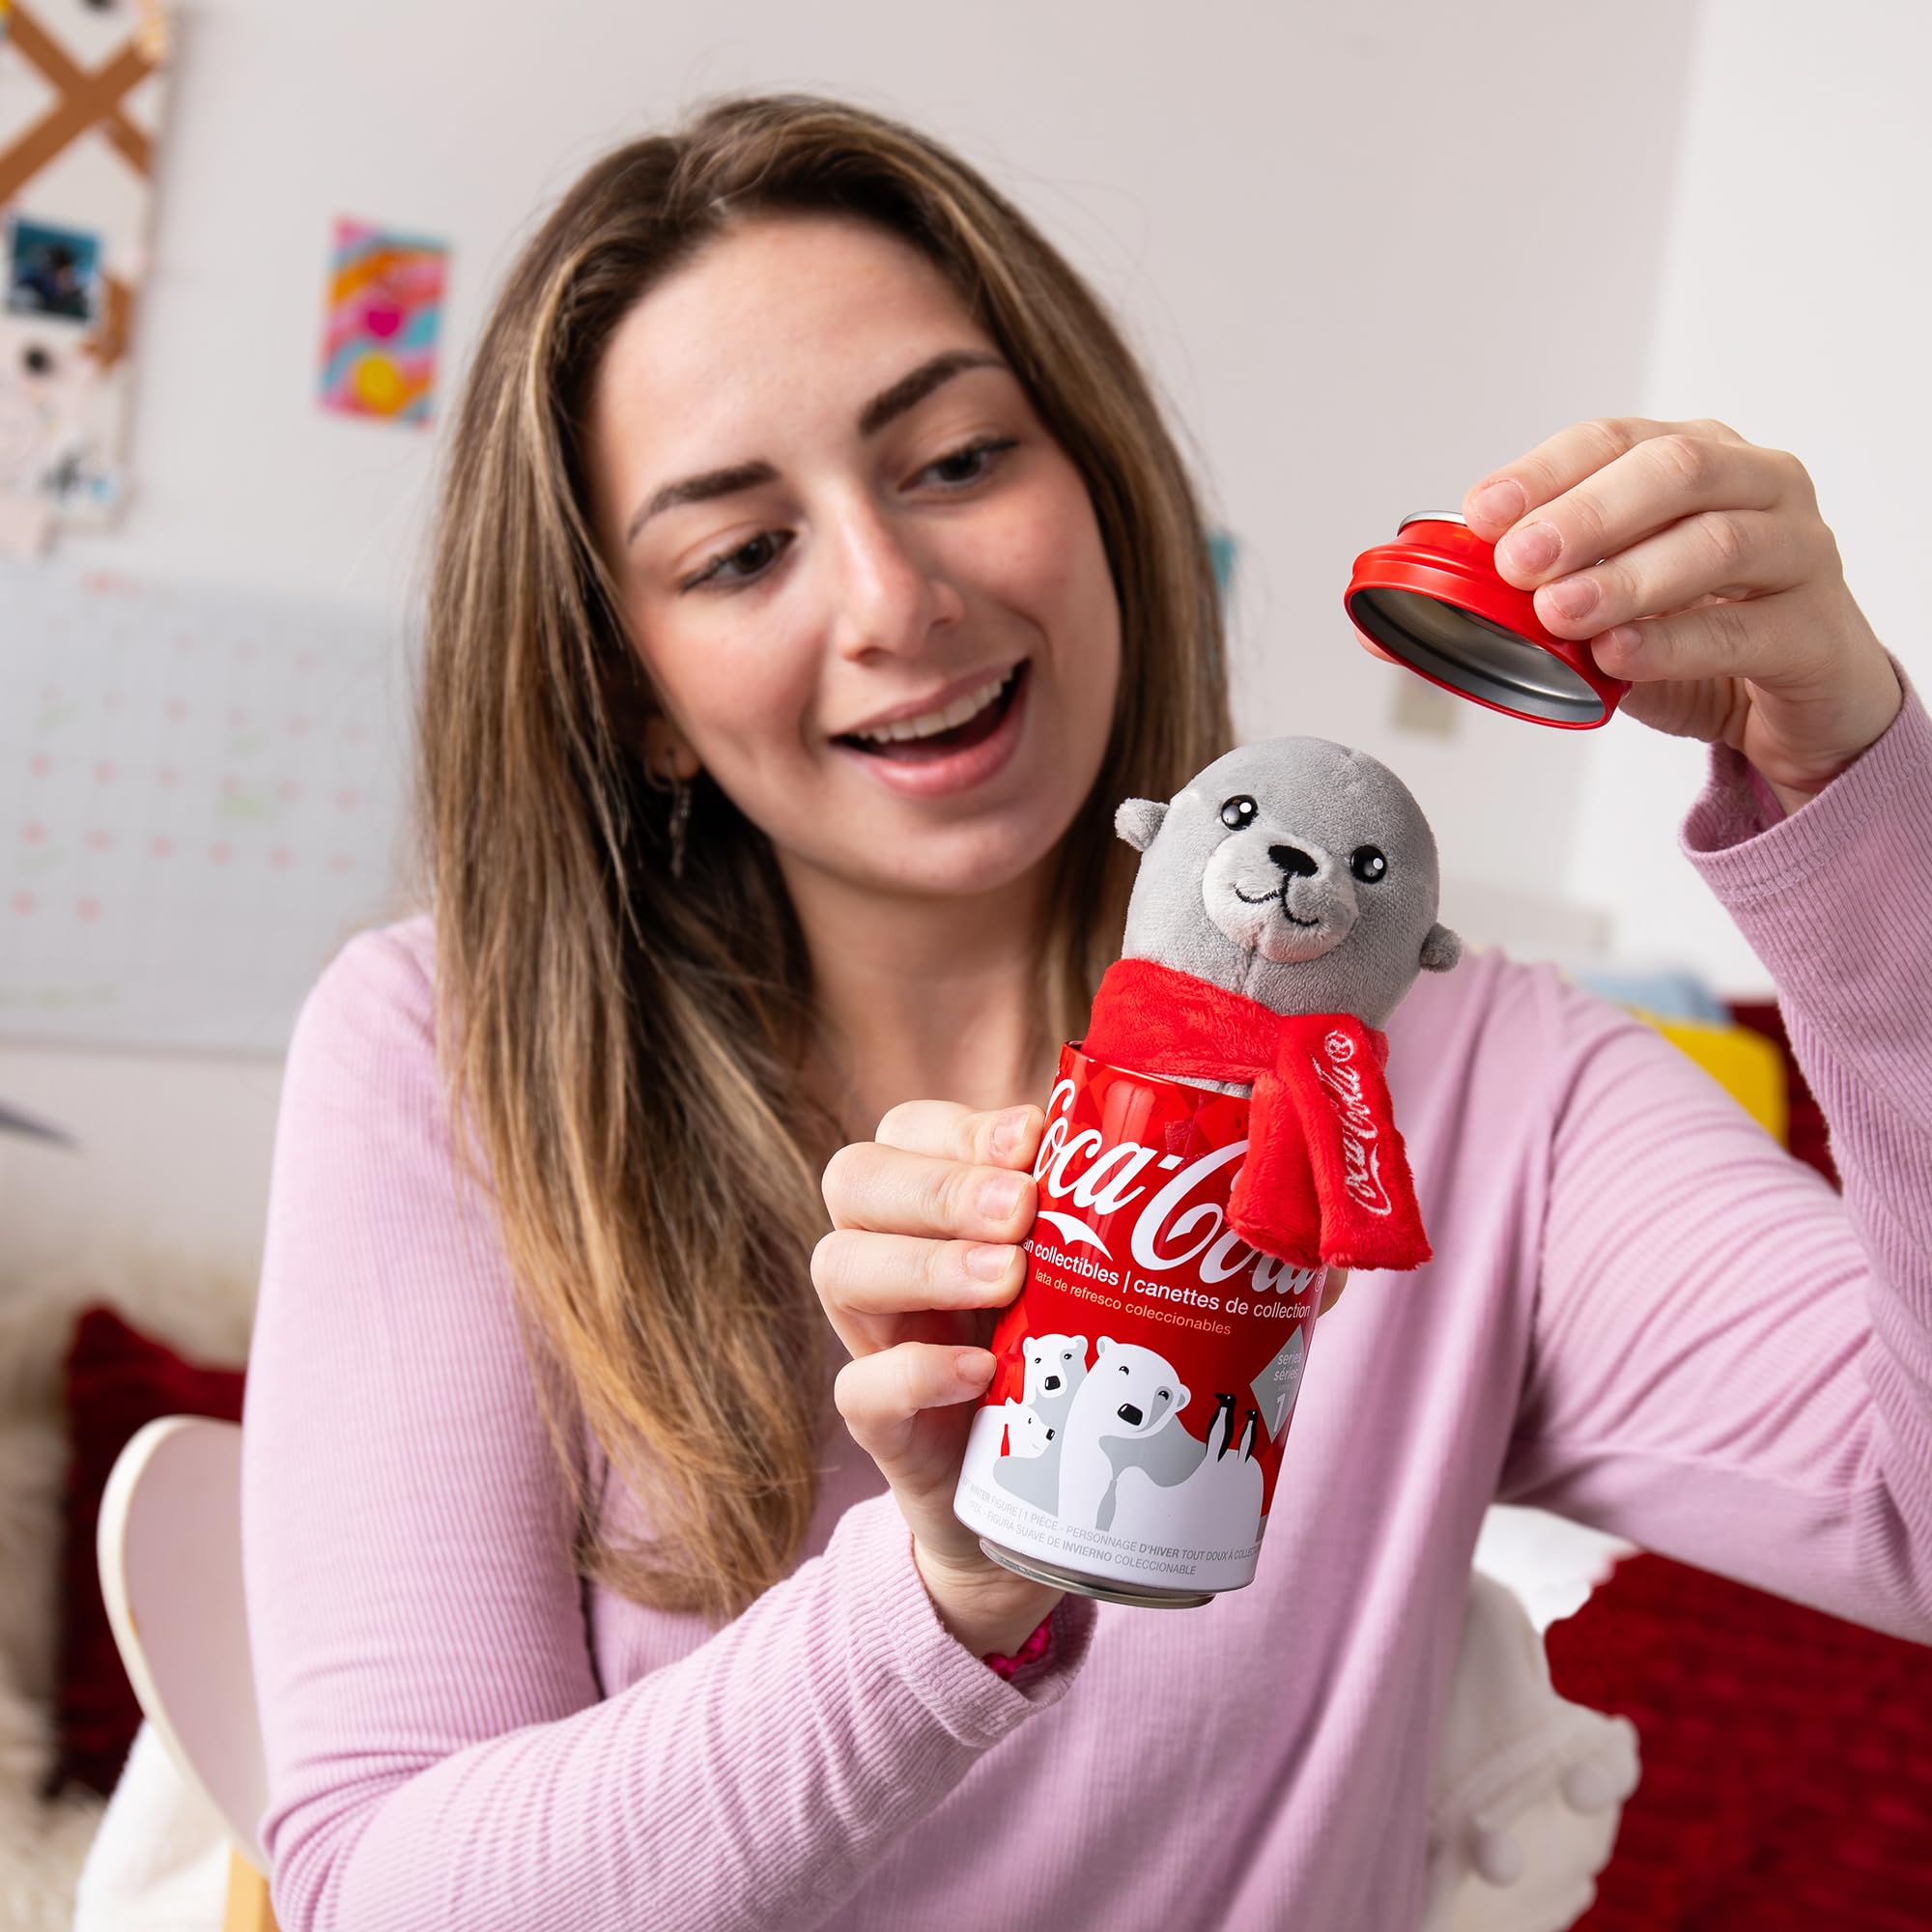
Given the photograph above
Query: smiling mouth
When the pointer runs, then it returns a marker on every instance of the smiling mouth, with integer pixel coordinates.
(1270, 898)
(959, 737)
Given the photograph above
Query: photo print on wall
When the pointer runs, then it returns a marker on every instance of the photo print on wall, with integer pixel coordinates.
(83, 90)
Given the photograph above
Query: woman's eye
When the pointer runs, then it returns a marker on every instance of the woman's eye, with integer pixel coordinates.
(715, 571)
(1367, 863)
(958, 468)
(964, 466)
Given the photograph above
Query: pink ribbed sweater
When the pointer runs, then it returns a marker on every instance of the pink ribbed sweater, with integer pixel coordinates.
(1641, 1314)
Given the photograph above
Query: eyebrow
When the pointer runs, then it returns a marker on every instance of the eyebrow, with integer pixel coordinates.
(906, 393)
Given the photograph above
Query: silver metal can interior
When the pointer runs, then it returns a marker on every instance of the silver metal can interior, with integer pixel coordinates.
(1472, 654)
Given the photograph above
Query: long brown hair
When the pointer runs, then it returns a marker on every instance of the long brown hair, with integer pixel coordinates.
(626, 1051)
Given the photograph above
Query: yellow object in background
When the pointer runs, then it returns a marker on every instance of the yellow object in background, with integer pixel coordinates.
(1744, 1063)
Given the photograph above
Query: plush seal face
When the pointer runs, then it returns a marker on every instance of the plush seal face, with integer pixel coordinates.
(1296, 872)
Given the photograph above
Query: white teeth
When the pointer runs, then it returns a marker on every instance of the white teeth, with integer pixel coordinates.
(929, 723)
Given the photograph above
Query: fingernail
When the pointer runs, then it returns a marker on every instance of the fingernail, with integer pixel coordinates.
(987, 1261)
(974, 1368)
(1008, 1129)
(1530, 550)
(1572, 597)
(1001, 1195)
(1500, 503)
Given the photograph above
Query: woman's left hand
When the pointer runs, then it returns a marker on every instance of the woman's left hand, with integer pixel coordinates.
(1699, 569)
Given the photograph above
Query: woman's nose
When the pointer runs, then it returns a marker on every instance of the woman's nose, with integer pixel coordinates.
(891, 595)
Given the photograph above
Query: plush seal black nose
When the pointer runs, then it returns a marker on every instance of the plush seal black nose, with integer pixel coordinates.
(1293, 860)
(1129, 1414)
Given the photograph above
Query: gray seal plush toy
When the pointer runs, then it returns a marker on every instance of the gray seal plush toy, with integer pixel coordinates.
(1286, 901)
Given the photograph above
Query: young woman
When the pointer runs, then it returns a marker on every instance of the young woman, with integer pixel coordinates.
(814, 575)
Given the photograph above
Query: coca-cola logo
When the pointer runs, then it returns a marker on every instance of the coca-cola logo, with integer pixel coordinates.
(1174, 1227)
(1361, 1152)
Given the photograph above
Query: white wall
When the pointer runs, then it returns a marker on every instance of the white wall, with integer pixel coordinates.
(1793, 303)
(171, 1167)
(1369, 250)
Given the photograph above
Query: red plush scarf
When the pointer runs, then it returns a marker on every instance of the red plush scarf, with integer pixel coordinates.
(1325, 1179)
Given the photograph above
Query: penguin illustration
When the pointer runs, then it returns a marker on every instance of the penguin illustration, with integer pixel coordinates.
(1224, 1421)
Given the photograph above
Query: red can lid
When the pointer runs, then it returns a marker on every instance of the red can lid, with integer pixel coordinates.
(1433, 601)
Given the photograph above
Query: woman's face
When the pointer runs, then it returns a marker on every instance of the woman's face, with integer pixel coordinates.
(835, 517)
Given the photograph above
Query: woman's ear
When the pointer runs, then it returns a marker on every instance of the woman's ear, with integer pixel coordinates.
(668, 754)
(637, 719)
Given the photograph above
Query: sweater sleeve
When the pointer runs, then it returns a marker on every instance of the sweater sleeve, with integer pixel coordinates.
(1730, 1363)
(439, 1753)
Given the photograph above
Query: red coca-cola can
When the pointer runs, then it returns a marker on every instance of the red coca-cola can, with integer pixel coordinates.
(1129, 1444)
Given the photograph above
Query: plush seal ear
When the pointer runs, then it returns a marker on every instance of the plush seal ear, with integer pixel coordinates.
(1440, 950)
(1138, 819)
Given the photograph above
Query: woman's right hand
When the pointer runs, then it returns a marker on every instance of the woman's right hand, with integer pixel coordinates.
(922, 1258)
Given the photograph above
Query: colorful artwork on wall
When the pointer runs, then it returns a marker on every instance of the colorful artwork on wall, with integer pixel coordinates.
(380, 336)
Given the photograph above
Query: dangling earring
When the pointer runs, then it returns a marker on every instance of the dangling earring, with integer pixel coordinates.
(680, 819)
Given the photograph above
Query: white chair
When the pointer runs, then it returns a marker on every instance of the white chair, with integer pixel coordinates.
(169, 1549)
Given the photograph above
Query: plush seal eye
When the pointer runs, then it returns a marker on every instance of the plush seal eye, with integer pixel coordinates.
(1367, 863)
(1239, 813)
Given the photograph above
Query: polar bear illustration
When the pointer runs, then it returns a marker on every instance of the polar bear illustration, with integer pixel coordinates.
(1167, 1457)
(1007, 1437)
(1217, 1507)
(1161, 1462)
(1056, 1365)
(1130, 1394)
(1028, 1433)
(1030, 1468)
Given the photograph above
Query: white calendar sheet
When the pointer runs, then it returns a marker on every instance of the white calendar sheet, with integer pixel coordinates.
(203, 792)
